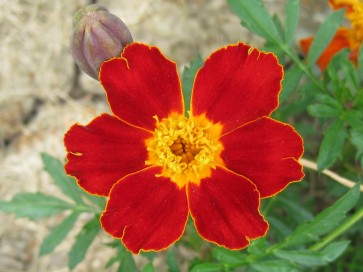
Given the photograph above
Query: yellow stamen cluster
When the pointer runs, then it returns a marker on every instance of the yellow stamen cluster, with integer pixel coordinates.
(186, 148)
(356, 18)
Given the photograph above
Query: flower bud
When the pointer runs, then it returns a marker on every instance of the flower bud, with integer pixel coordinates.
(98, 35)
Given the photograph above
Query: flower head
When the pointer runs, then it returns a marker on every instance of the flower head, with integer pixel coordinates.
(350, 38)
(98, 35)
(157, 166)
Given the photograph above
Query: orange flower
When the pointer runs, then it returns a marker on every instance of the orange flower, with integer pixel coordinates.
(350, 38)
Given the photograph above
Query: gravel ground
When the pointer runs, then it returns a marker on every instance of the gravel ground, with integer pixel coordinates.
(37, 83)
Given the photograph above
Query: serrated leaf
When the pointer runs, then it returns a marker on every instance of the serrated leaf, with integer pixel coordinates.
(172, 261)
(207, 267)
(58, 234)
(83, 240)
(313, 258)
(274, 266)
(325, 221)
(292, 14)
(55, 169)
(290, 82)
(324, 35)
(188, 80)
(255, 16)
(34, 205)
(227, 256)
(332, 145)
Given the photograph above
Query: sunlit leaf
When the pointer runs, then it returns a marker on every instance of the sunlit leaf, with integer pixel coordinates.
(34, 205)
(83, 240)
(58, 234)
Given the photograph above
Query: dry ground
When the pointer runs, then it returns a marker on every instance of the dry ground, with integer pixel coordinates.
(37, 85)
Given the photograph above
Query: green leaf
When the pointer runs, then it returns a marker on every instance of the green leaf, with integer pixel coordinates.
(257, 246)
(331, 146)
(322, 110)
(83, 240)
(296, 211)
(292, 14)
(324, 222)
(360, 63)
(207, 267)
(255, 16)
(55, 169)
(172, 261)
(148, 268)
(188, 80)
(34, 205)
(324, 35)
(227, 256)
(313, 258)
(274, 266)
(290, 82)
(58, 234)
(127, 262)
(280, 227)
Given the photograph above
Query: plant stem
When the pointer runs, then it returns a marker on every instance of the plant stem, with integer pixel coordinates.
(346, 182)
(302, 67)
(342, 228)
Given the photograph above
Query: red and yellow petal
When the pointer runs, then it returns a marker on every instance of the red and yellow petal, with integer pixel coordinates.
(145, 211)
(342, 39)
(237, 84)
(225, 209)
(140, 84)
(104, 151)
(266, 152)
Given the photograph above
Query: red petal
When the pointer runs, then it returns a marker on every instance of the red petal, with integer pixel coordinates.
(340, 41)
(103, 152)
(225, 209)
(140, 84)
(237, 84)
(266, 152)
(146, 212)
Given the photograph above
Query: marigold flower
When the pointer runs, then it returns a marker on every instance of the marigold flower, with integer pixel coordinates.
(157, 166)
(350, 38)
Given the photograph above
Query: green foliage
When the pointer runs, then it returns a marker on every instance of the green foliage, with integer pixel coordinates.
(188, 80)
(324, 35)
(34, 205)
(292, 13)
(256, 18)
(83, 240)
(55, 169)
(326, 221)
(58, 234)
(313, 258)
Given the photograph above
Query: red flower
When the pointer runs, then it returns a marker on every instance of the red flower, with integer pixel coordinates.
(157, 166)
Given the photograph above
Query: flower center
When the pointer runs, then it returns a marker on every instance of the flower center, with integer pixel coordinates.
(186, 148)
(356, 18)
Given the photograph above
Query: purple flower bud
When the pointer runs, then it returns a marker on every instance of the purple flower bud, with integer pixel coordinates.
(98, 35)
